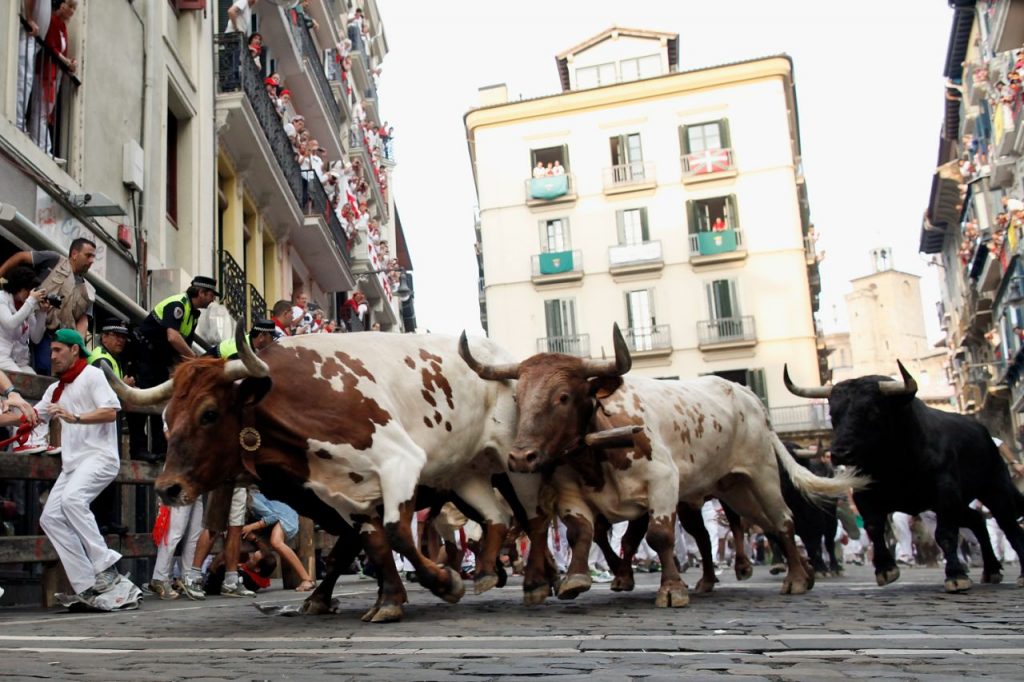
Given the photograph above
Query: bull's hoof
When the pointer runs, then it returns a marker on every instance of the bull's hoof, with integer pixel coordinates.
(993, 578)
(368, 616)
(810, 580)
(744, 570)
(482, 583)
(536, 595)
(796, 586)
(623, 583)
(957, 585)
(315, 607)
(672, 596)
(389, 613)
(574, 585)
(455, 590)
(776, 569)
(705, 585)
(889, 575)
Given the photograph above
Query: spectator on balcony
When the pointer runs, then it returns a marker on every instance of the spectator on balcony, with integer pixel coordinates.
(36, 14)
(256, 49)
(358, 310)
(22, 319)
(305, 16)
(344, 48)
(317, 158)
(299, 121)
(281, 314)
(300, 302)
(355, 29)
(240, 17)
(539, 171)
(44, 98)
(719, 225)
(284, 104)
(558, 169)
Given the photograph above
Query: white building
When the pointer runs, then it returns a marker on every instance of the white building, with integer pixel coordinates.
(682, 216)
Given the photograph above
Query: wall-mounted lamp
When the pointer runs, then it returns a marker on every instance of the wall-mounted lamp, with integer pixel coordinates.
(403, 291)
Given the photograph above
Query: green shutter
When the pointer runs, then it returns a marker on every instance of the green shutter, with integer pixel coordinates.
(542, 232)
(620, 226)
(723, 132)
(684, 141)
(733, 217)
(691, 217)
(565, 158)
(756, 383)
(644, 232)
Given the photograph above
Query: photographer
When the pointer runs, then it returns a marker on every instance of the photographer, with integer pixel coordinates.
(67, 297)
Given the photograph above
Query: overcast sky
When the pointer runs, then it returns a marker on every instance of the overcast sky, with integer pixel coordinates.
(869, 91)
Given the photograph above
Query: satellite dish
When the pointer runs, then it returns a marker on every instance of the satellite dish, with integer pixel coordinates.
(286, 4)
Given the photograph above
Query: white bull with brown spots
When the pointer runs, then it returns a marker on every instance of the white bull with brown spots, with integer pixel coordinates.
(700, 438)
(358, 420)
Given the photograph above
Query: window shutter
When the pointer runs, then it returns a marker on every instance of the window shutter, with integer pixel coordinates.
(650, 307)
(542, 234)
(552, 318)
(732, 217)
(684, 141)
(756, 383)
(630, 322)
(734, 300)
(723, 132)
(644, 233)
(565, 158)
(566, 235)
(691, 217)
(620, 227)
(709, 289)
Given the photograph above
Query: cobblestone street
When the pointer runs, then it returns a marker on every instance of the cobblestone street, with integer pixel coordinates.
(846, 627)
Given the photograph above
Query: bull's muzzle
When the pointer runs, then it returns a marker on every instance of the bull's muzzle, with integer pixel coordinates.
(523, 460)
(172, 494)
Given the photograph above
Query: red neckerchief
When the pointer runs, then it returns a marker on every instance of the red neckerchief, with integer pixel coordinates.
(67, 377)
(284, 330)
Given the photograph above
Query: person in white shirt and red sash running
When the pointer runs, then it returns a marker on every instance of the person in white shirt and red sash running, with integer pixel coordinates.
(87, 405)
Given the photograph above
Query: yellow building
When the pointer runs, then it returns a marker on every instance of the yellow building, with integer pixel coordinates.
(681, 215)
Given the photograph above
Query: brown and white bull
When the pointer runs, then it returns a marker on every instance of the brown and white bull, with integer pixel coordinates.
(353, 422)
(710, 436)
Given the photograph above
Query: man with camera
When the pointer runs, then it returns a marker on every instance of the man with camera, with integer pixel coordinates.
(68, 299)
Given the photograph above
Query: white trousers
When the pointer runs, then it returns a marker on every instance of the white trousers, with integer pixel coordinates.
(70, 525)
(904, 539)
(190, 519)
(558, 543)
(1000, 545)
(26, 75)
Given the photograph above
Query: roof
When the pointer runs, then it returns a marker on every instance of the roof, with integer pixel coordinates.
(562, 61)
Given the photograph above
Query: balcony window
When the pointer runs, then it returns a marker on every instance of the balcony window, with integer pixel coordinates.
(595, 76)
(631, 224)
(554, 235)
(627, 159)
(713, 225)
(550, 173)
(705, 149)
(643, 333)
(562, 337)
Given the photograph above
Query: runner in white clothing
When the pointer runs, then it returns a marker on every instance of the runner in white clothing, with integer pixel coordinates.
(87, 405)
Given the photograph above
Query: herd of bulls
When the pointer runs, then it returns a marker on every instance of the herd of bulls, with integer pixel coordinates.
(357, 430)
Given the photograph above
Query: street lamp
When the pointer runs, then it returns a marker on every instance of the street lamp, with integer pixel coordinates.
(403, 291)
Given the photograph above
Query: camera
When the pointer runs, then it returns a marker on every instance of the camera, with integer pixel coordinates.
(54, 300)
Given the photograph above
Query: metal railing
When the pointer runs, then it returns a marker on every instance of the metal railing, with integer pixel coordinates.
(233, 287)
(711, 242)
(726, 330)
(707, 162)
(358, 146)
(625, 174)
(648, 338)
(257, 305)
(557, 263)
(45, 89)
(634, 254)
(578, 344)
(810, 417)
(236, 71)
(317, 204)
(316, 66)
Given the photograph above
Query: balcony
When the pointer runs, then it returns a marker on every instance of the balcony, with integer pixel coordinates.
(726, 333)
(717, 247)
(557, 266)
(577, 344)
(976, 82)
(362, 81)
(52, 135)
(233, 287)
(710, 164)
(358, 148)
(629, 177)
(813, 417)
(258, 307)
(810, 250)
(321, 240)
(630, 259)
(650, 341)
(550, 190)
(251, 133)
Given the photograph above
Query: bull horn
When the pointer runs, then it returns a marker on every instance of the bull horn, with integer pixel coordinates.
(621, 437)
(139, 396)
(615, 368)
(488, 372)
(254, 367)
(804, 392)
(894, 388)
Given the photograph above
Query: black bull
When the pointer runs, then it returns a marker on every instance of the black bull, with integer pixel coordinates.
(920, 458)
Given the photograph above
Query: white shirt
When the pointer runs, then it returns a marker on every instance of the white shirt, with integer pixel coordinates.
(244, 20)
(17, 328)
(88, 392)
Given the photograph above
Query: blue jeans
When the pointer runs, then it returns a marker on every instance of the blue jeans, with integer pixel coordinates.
(41, 354)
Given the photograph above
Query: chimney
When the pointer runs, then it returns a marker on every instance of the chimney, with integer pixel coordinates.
(491, 95)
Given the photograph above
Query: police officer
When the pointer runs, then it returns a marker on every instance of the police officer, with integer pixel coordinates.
(113, 338)
(164, 339)
(260, 336)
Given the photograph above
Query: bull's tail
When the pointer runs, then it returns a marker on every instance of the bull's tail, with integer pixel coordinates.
(817, 488)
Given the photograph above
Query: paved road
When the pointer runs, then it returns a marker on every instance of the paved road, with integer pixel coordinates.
(846, 627)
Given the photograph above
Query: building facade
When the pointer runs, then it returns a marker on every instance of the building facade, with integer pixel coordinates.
(680, 212)
(973, 221)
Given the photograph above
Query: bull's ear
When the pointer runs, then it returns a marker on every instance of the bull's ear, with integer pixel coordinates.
(602, 387)
(253, 390)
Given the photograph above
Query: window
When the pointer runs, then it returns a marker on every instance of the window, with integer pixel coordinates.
(549, 155)
(641, 67)
(715, 214)
(172, 168)
(640, 314)
(627, 158)
(554, 235)
(700, 137)
(751, 378)
(723, 303)
(560, 318)
(631, 224)
(595, 76)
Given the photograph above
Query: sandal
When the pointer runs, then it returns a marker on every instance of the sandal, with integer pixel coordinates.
(306, 586)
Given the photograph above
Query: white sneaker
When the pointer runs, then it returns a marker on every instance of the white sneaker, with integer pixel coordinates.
(236, 590)
(601, 576)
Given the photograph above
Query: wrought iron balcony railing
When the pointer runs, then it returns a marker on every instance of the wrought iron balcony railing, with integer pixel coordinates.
(233, 287)
(726, 330)
(316, 67)
(257, 305)
(576, 344)
(649, 338)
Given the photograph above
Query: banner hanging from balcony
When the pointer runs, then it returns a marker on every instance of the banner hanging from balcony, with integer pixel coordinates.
(709, 161)
(717, 242)
(549, 187)
(554, 263)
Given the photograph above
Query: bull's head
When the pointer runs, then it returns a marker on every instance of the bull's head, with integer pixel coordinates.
(859, 409)
(203, 418)
(555, 394)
